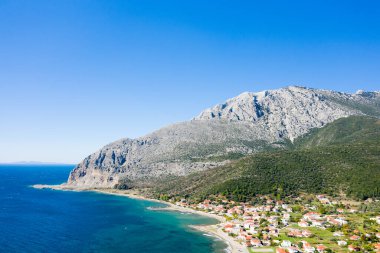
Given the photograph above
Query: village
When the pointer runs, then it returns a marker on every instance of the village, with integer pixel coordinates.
(318, 224)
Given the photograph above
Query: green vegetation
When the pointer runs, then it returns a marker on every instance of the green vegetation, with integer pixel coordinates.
(355, 129)
(372, 109)
(262, 249)
(342, 157)
(218, 158)
(319, 236)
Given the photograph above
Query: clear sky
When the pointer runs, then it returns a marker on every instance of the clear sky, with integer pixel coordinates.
(75, 75)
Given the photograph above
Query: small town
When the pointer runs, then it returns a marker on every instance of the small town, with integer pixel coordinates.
(313, 224)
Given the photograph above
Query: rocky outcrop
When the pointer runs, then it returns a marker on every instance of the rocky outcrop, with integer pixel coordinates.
(290, 112)
(174, 150)
(248, 123)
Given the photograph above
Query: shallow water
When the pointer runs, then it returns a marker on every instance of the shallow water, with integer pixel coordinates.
(33, 220)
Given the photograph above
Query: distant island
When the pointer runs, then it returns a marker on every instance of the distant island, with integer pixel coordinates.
(33, 163)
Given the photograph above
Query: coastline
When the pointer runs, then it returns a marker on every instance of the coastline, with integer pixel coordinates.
(214, 230)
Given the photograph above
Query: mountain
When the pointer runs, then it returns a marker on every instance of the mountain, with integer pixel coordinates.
(249, 123)
(291, 112)
(342, 157)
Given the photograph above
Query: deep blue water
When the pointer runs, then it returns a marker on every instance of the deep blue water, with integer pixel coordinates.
(34, 220)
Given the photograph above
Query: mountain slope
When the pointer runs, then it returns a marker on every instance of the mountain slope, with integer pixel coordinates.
(342, 131)
(344, 156)
(291, 112)
(169, 151)
(248, 123)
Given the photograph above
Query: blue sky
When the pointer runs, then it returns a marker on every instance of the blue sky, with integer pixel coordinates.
(75, 75)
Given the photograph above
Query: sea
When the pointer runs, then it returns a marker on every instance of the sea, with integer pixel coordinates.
(35, 220)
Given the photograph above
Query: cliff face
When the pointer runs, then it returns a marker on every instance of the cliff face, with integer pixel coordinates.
(174, 150)
(248, 123)
(289, 112)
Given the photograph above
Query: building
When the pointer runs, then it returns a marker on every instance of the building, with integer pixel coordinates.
(280, 250)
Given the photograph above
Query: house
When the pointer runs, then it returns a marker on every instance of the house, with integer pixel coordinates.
(235, 230)
(285, 206)
(229, 215)
(285, 222)
(272, 219)
(286, 244)
(306, 233)
(255, 242)
(247, 225)
(312, 216)
(256, 216)
(317, 223)
(268, 208)
(280, 250)
(295, 233)
(353, 248)
(321, 248)
(338, 234)
(253, 231)
(335, 222)
(354, 237)
(219, 208)
(228, 225)
(299, 233)
(324, 200)
(341, 221)
(308, 249)
(266, 242)
(303, 224)
(247, 217)
(342, 243)
(273, 232)
(293, 250)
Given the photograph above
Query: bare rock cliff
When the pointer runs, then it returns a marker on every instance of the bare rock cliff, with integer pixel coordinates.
(248, 123)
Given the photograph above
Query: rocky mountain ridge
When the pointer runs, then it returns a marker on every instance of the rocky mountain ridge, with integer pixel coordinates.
(250, 122)
(290, 111)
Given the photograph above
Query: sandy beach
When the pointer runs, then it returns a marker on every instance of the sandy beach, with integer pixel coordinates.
(215, 230)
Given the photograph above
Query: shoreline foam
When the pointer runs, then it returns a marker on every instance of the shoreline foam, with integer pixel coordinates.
(215, 230)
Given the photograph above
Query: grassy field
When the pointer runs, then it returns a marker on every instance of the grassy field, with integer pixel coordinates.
(262, 249)
(320, 236)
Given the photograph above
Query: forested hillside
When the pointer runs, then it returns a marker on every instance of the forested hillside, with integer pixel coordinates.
(342, 157)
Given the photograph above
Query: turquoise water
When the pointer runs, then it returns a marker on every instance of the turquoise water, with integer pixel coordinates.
(34, 220)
